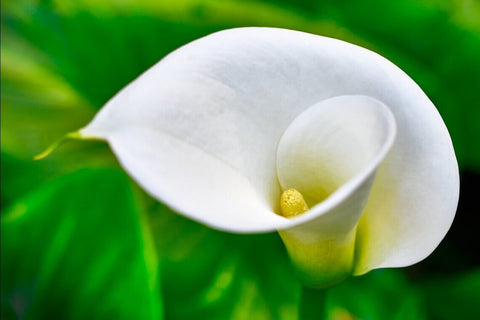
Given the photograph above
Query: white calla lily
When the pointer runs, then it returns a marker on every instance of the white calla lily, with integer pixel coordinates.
(218, 128)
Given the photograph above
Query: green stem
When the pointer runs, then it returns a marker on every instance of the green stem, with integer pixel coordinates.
(313, 304)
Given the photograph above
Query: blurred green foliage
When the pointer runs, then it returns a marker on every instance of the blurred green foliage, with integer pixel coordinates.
(59, 261)
(80, 240)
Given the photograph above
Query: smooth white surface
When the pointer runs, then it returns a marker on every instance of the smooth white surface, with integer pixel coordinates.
(200, 129)
(330, 153)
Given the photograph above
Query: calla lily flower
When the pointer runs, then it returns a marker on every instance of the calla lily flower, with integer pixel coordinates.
(218, 129)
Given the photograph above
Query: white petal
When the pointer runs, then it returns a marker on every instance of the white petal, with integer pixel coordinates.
(225, 100)
(331, 143)
(211, 187)
(330, 153)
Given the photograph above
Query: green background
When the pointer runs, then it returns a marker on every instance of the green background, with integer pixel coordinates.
(81, 241)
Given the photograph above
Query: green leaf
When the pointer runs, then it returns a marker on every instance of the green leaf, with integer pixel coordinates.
(38, 106)
(20, 176)
(78, 249)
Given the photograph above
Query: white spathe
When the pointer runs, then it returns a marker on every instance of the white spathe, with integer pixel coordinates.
(220, 126)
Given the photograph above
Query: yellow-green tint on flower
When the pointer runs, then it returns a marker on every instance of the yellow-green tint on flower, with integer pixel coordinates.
(321, 263)
(292, 203)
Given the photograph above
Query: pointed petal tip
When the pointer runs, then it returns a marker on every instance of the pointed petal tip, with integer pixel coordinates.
(56, 144)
